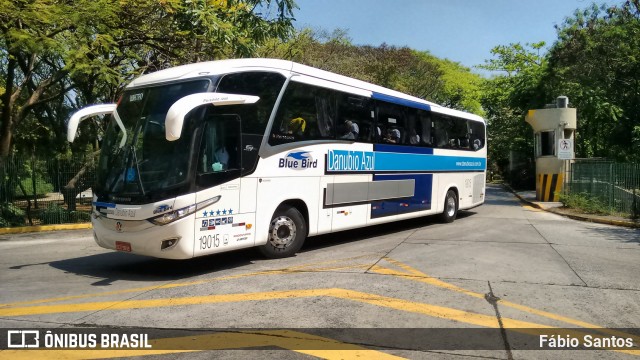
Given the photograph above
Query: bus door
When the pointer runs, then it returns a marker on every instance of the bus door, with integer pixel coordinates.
(217, 226)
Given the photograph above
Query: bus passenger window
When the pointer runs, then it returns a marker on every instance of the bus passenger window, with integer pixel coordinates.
(424, 125)
(441, 131)
(305, 113)
(355, 118)
(476, 135)
(391, 123)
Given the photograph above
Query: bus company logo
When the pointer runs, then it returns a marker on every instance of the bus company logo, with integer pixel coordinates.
(118, 226)
(298, 160)
(350, 161)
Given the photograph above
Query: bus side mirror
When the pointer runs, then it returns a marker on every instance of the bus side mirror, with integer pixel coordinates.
(180, 109)
(84, 113)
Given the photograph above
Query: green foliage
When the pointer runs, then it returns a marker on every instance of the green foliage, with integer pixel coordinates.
(416, 73)
(596, 62)
(506, 97)
(42, 187)
(11, 215)
(56, 214)
(56, 56)
(584, 203)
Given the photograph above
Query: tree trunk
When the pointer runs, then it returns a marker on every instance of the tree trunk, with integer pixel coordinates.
(6, 132)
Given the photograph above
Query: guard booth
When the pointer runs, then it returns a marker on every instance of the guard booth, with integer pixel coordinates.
(554, 130)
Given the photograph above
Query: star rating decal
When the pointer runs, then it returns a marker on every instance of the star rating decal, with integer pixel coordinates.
(212, 213)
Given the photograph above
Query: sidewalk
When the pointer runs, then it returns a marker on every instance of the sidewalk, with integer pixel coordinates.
(529, 197)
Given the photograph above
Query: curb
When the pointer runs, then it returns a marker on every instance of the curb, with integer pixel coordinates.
(597, 220)
(39, 228)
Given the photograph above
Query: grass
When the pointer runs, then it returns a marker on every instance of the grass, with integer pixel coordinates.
(584, 203)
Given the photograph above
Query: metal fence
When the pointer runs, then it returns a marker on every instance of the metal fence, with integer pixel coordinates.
(41, 191)
(615, 185)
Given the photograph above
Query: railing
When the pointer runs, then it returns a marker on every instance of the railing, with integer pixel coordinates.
(615, 185)
(40, 191)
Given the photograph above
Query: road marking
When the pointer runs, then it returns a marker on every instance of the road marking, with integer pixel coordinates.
(413, 274)
(294, 269)
(531, 208)
(368, 298)
(407, 272)
(321, 347)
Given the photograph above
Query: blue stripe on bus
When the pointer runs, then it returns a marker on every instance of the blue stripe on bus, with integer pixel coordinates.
(386, 161)
(400, 101)
(104, 204)
(353, 161)
(420, 201)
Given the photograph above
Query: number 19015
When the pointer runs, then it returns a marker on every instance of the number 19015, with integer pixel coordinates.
(209, 241)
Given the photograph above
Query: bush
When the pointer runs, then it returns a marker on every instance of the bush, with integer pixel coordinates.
(11, 215)
(56, 214)
(584, 203)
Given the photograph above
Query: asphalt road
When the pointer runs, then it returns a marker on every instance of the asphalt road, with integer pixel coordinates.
(485, 286)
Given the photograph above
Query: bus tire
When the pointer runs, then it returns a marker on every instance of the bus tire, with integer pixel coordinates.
(450, 207)
(287, 232)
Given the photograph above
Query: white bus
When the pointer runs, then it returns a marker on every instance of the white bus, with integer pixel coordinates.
(223, 155)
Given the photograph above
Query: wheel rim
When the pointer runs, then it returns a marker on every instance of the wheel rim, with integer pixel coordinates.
(451, 206)
(282, 232)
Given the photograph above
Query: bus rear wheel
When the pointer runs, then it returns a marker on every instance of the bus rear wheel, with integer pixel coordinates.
(287, 232)
(450, 207)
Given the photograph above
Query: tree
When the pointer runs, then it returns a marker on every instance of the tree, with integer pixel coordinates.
(57, 56)
(400, 68)
(506, 97)
(596, 62)
(86, 49)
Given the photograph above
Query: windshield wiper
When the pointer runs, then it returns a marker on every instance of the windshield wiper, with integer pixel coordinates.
(139, 177)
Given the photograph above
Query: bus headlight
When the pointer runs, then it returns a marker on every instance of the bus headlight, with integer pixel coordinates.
(172, 216)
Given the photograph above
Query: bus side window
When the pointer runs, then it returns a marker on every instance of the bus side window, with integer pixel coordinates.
(441, 131)
(391, 123)
(476, 135)
(414, 130)
(305, 113)
(425, 126)
(460, 134)
(219, 145)
(355, 119)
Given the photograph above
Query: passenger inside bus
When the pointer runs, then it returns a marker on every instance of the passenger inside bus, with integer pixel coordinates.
(297, 127)
(350, 130)
(392, 136)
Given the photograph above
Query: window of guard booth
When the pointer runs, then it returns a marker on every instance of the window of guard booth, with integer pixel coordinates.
(546, 141)
(355, 118)
(390, 127)
(305, 113)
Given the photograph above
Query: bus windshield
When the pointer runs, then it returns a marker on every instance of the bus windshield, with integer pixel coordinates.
(147, 162)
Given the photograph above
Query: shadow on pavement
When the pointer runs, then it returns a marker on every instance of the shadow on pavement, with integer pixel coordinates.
(618, 234)
(113, 266)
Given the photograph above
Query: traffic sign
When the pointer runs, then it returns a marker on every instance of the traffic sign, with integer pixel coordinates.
(565, 149)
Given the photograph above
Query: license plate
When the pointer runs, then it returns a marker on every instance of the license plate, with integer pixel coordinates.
(123, 246)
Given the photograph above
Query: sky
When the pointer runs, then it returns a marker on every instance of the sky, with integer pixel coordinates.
(463, 31)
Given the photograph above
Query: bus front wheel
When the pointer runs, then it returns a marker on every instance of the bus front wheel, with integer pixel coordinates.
(450, 207)
(287, 232)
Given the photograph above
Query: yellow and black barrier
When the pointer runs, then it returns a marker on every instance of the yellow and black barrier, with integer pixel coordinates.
(548, 187)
